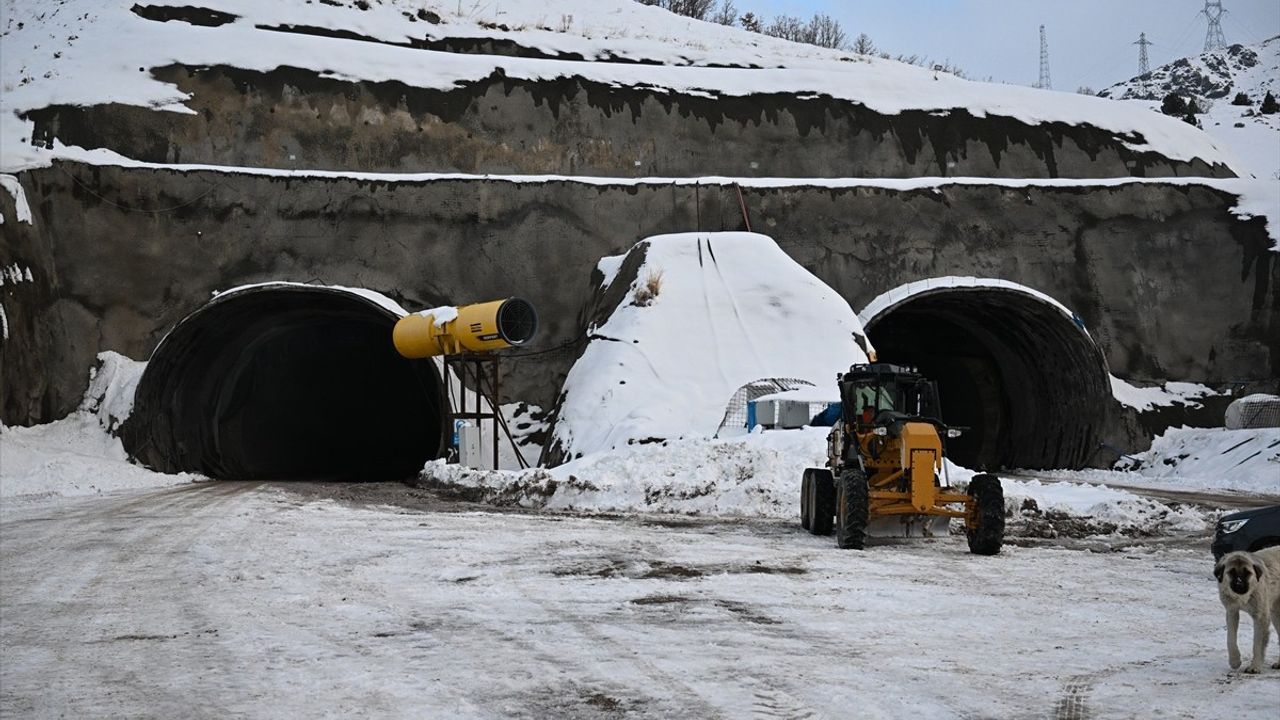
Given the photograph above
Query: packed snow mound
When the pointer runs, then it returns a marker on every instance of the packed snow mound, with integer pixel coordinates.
(704, 314)
(112, 384)
(758, 475)
(72, 456)
(1213, 79)
(79, 455)
(88, 52)
(1214, 459)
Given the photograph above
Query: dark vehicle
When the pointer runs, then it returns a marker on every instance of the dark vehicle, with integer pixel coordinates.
(1247, 530)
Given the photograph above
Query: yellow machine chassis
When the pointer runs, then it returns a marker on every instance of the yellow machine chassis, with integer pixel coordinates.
(903, 476)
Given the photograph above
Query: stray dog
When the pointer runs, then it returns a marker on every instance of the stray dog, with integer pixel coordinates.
(1250, 582)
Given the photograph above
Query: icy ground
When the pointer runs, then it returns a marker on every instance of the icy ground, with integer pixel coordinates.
(220, 599)
(266, 600)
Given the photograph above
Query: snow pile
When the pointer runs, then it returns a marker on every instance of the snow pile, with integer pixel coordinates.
(706, 314)
(78, 455)
(73, 456)
(1214, 458)
(1149, 398)
(86, 52)
(1213, 79)
(758, 475)
(1064, 509)
(112, 384)
(14, 188)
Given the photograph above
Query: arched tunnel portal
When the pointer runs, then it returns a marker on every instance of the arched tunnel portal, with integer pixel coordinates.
(1012, 365)
(287, 382)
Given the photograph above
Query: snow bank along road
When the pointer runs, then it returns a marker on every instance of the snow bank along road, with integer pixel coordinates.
(224, 599)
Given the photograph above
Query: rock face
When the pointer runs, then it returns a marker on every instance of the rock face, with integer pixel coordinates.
(1164, 277)
(571, 126)
(1212, 76)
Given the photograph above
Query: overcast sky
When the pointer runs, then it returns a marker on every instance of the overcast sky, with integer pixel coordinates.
(1090, 41)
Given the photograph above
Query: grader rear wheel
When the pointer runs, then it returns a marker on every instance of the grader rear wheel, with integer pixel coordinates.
(806, 500)
(988, 513)
(822, 504)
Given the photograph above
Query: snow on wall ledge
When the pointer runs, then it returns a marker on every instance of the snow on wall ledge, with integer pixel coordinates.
(702, 315)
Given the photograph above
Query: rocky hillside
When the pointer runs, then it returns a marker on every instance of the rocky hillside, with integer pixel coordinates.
(583, 87)
(1214, 79)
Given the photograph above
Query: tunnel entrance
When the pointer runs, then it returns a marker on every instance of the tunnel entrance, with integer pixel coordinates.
(1012, 366)
(287, 382)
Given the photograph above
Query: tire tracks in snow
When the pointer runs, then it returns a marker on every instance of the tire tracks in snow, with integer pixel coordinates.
(97, 612)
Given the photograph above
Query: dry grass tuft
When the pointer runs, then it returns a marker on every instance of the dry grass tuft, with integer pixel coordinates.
(646, 293)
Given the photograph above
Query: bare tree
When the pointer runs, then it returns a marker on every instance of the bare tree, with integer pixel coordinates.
(825, 31)
(863, 45)
(726, 14)
(696, 9)
(787, 27)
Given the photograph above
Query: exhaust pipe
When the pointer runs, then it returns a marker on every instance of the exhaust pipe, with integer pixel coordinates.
(481, 327)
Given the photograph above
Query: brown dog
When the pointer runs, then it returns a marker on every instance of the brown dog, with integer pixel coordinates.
(1250, 582)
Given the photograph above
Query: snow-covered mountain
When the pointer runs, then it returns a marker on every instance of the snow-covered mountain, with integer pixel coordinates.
(1212, 76)
(1214, 79)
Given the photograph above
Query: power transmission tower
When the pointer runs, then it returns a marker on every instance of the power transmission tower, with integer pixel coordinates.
(1213, 39)
(1144, 65)
(1044, 83)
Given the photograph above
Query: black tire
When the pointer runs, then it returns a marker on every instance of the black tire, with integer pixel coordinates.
(988, 500)
(853, 505)
(806, 499)
(823, 503)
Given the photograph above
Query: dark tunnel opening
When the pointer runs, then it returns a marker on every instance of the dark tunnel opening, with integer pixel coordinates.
(284, 382)
(1029, 383)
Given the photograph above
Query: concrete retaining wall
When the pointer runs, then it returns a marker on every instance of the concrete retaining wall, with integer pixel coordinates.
(1169, 282)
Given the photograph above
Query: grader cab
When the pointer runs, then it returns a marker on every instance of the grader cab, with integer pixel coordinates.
(884, 459)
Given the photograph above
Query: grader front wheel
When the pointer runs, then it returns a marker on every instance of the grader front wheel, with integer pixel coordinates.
(986, 532)
(853, 505)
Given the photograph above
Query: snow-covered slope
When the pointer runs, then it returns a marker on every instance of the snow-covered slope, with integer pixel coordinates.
(84, 52)
(725, 309)
(1214, 79)
(1242, 460)
(79, 455)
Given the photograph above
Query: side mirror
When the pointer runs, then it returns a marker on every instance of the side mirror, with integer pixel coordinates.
(954, 432)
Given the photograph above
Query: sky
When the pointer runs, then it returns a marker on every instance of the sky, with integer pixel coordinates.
(1090, 41)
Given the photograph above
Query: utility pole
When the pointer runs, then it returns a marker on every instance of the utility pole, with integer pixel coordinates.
(1144, 65)
(1213, 39)
(1044, 83)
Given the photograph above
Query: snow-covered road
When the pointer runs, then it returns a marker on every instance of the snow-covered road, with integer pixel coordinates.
(222, 599)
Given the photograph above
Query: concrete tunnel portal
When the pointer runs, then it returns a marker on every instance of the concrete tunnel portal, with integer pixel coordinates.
(299, 382)
(1013, 366)
(287, 382)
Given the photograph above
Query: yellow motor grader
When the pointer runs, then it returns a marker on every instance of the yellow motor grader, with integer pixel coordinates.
(884, 459)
